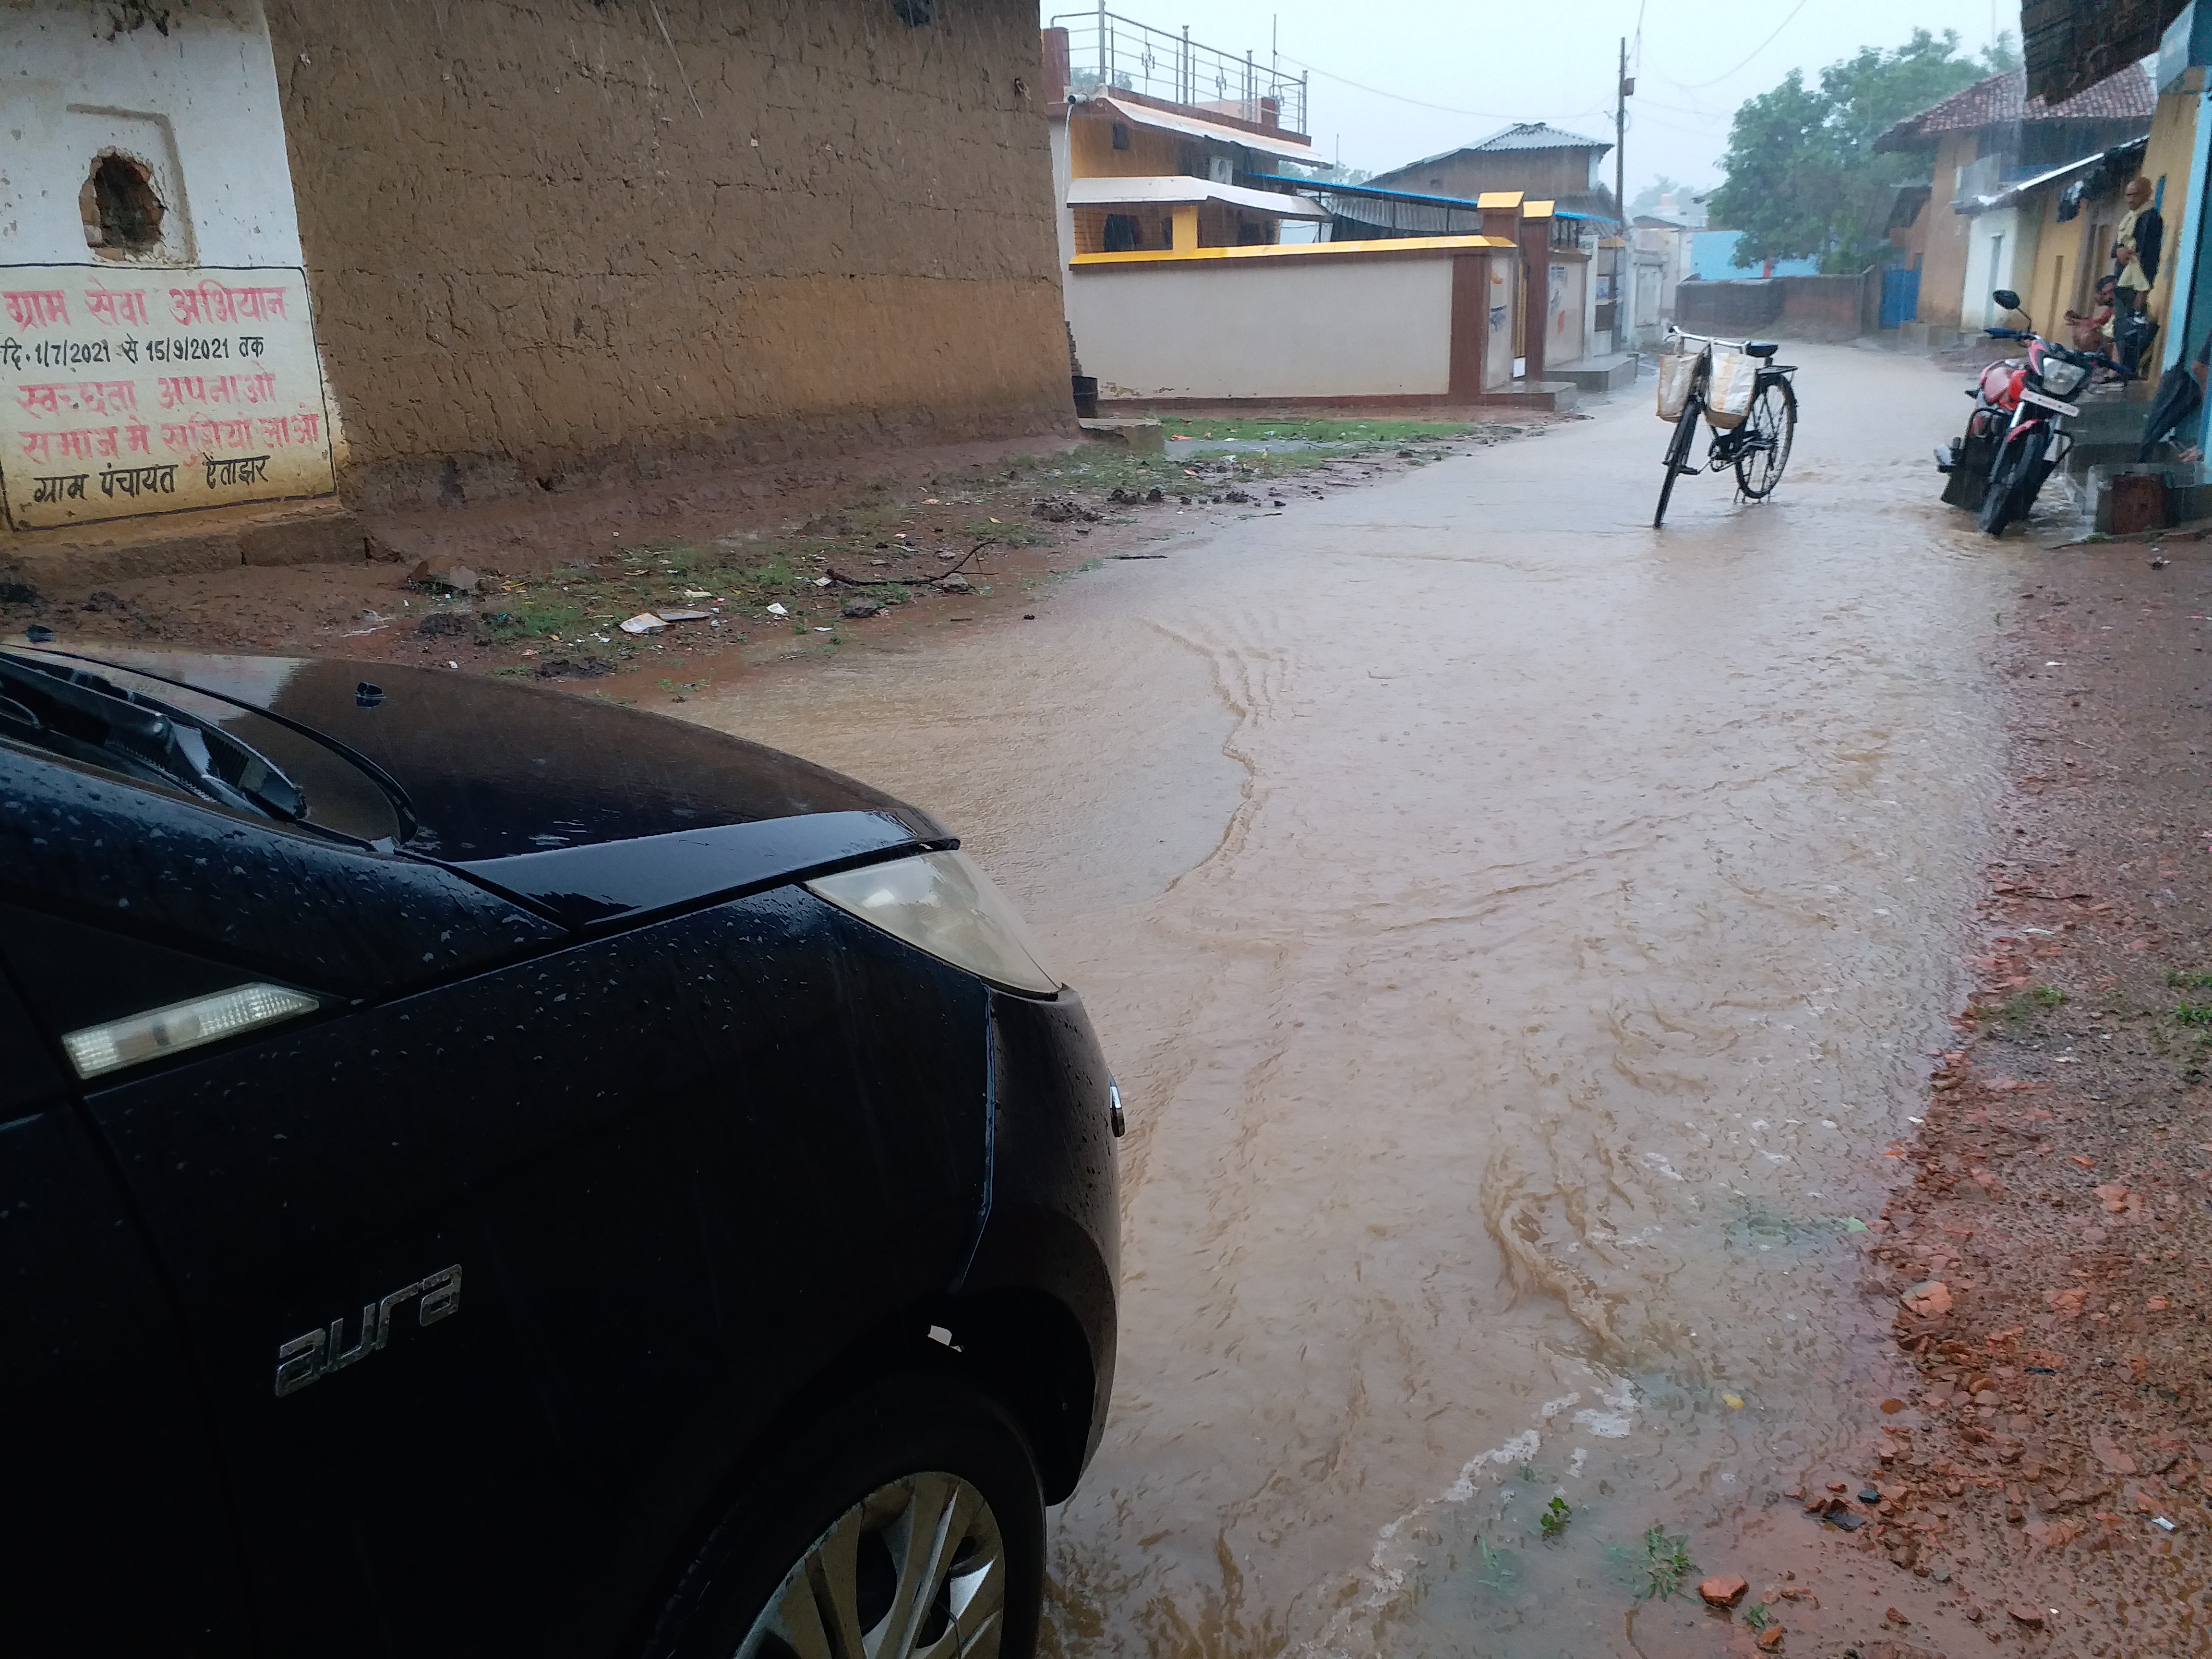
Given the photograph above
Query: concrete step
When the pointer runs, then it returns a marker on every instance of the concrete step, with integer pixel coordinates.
(1606, 374)
(1558, 396)
(1931, 337)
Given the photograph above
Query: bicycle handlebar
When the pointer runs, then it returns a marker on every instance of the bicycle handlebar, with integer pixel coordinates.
(1707, 339)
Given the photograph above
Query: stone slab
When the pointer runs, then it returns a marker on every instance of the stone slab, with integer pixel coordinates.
(1606, 374)
(322, 532)
(1145, 437)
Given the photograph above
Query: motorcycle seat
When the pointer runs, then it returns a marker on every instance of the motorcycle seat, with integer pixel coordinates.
(1761, 348)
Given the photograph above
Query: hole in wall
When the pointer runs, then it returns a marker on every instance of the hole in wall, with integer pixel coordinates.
(122, 212)
(913, 12)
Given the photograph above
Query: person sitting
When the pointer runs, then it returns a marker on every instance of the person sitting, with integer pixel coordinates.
(2092, 331)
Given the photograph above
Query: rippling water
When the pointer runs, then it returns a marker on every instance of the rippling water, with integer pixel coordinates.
(1518, 934)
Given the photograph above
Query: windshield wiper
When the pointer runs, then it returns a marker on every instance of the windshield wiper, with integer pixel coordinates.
(76, 714)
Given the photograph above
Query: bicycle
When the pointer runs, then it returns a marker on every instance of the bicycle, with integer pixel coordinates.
(1757, 449)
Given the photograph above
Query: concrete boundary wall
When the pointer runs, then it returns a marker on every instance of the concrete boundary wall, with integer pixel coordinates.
(1371, 331)
(1418, 321)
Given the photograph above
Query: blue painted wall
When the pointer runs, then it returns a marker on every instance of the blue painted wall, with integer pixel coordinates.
(1712, 255)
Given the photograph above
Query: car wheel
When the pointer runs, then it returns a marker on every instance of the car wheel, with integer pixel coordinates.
(908, 1521)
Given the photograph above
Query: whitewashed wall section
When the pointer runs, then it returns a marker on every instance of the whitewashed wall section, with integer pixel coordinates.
(197, 108)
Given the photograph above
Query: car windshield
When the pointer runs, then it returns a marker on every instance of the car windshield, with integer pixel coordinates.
(83, 716)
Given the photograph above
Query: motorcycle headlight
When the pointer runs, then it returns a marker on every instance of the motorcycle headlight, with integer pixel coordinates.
(2063, 380)
(941, 903)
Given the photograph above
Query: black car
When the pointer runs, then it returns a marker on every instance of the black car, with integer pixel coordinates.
(487, 1171)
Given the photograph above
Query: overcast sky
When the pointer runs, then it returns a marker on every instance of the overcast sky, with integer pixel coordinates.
(1489, 61)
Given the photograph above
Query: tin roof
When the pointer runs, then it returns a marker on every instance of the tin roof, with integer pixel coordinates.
(1521, 135)
(1145, 115)
(1536, 135)
(1176, 191)
(2127, 156)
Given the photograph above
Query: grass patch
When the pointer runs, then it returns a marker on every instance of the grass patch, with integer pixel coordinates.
(1666, 1562)
(2184, 980)
(2021, 1005)
(2193, 1013)
(535, 616)
(1554, 1520)
(1756, 1617)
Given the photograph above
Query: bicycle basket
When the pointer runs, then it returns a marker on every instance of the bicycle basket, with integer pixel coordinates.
(1678, 373)
(1727, 395)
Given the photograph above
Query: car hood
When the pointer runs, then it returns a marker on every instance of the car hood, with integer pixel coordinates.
(516, 782)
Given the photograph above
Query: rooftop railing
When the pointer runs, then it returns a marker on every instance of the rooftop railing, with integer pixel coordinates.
(1106, 52)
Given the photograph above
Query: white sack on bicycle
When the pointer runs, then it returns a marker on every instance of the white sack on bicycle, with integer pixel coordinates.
(1728, 394)
(1678, 373)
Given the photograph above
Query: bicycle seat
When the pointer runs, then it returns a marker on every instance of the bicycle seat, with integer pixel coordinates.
(1761, 348)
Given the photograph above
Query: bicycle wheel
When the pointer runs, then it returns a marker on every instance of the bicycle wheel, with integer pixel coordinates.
(1763, 441)
(1678, 454)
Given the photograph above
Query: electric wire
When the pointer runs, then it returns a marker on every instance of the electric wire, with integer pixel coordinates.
(1396, 97)
(1699, 86)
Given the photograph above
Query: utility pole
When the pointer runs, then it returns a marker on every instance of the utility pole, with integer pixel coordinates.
(1623, 86)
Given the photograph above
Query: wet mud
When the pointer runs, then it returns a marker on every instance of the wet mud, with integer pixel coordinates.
(2051, 1451)
(1523, 938)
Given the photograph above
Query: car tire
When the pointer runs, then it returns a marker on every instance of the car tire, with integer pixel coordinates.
(915, 1503)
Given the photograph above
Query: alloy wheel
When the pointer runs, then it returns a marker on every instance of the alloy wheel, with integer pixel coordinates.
(916, 1570)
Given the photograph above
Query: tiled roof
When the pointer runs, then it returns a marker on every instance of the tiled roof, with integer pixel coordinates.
(2002, 100)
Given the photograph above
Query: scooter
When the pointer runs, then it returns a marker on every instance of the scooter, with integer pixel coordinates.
(2013, 439)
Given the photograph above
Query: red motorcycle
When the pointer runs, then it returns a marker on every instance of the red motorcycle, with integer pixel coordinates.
(2013, 439)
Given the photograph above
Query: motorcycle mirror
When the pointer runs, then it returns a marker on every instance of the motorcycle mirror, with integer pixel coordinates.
(2007, 298)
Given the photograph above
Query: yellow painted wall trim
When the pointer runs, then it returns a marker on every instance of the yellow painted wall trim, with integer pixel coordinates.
(1499, 198)
(1297, 250)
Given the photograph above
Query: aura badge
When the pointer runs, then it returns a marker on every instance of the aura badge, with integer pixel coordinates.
(311, 1358)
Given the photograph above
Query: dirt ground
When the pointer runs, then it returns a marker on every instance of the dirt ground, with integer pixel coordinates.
(760, 569)
(2052, 1460)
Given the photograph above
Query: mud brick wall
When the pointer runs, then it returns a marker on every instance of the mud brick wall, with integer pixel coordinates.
(556, 243)
(1789, 307)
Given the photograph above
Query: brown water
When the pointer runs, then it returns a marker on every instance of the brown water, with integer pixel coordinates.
(1518, 934)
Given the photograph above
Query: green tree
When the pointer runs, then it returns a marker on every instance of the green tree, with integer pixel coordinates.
(1803, 180)
(1647, 199)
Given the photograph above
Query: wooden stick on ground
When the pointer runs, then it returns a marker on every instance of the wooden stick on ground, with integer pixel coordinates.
(837, 575)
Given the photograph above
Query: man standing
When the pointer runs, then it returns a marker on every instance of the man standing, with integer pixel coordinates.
(2136, 245)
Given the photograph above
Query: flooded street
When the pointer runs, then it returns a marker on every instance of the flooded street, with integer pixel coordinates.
(1519, 935)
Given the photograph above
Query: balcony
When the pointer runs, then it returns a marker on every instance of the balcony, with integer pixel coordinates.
(1110, 53)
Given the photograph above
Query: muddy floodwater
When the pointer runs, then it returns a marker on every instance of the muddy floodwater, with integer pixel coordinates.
(1520, 936)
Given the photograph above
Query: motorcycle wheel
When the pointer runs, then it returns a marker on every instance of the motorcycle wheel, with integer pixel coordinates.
(2010, 490)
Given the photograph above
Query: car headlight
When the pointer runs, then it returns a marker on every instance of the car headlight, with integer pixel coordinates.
(941, 903)
(2063, 380)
